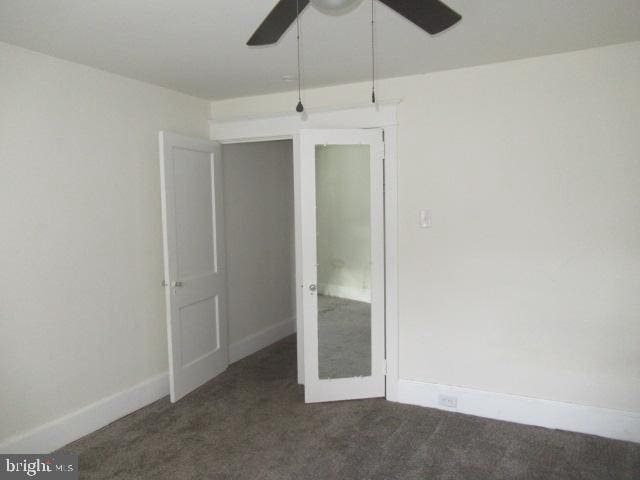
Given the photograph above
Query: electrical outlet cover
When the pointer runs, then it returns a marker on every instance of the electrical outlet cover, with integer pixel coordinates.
(448, 401)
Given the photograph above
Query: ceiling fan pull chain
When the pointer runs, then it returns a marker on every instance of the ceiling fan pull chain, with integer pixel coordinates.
(373, 55)
(299, 107)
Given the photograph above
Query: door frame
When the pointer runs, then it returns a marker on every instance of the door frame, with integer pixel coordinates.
(287, 127)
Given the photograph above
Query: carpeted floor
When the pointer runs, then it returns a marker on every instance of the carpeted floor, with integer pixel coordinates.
(344, 338)
(251, 423)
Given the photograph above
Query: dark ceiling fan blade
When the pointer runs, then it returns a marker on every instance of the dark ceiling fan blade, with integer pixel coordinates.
(432, 16)
(277, 22)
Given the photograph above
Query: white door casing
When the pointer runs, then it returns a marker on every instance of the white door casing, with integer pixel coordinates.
(316, 389)
(194, 261)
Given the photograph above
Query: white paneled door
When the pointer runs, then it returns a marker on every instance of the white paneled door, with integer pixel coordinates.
(342, 229)
(194, 261)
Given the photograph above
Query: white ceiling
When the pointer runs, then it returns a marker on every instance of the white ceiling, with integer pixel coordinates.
(198, 46)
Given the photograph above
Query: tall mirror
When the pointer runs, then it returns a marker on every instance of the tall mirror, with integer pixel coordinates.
(344, 260)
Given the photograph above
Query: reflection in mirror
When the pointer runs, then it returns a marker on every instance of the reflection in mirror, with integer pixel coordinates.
(344, 260)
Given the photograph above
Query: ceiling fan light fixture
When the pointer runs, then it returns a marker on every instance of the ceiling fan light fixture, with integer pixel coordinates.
(335, 7)
(433, 16)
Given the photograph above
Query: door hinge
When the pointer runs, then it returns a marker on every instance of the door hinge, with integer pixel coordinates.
(383, 134)
(386, 370)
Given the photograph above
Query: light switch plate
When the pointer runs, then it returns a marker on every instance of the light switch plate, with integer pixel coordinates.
(425, 218)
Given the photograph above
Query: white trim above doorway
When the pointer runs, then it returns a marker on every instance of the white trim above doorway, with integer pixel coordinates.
(288, 126)
(285, 126)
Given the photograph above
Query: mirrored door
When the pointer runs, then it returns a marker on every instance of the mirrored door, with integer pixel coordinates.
(343, 263)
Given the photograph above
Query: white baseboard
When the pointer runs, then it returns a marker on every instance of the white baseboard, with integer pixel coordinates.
(341, 291)
(66, 429)
(260, 340)
(70, 427)
(604, 422)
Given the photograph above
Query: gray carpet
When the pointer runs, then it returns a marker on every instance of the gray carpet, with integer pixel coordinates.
(251, 423)
(344, 338)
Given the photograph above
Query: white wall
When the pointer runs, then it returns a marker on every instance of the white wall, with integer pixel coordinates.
(344, 221)
(258, 187)
(528, 283)
(81, 307)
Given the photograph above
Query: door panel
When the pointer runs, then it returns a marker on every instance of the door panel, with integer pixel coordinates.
(194, 213)
(342, 201)
(195, 277)
(199, 336)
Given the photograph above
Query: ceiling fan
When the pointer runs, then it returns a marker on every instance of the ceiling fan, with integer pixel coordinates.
(433, 16)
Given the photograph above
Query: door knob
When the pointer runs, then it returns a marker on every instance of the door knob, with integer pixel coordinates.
(313, 287)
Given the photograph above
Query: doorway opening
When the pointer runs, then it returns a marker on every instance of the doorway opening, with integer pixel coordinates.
(260, 239)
